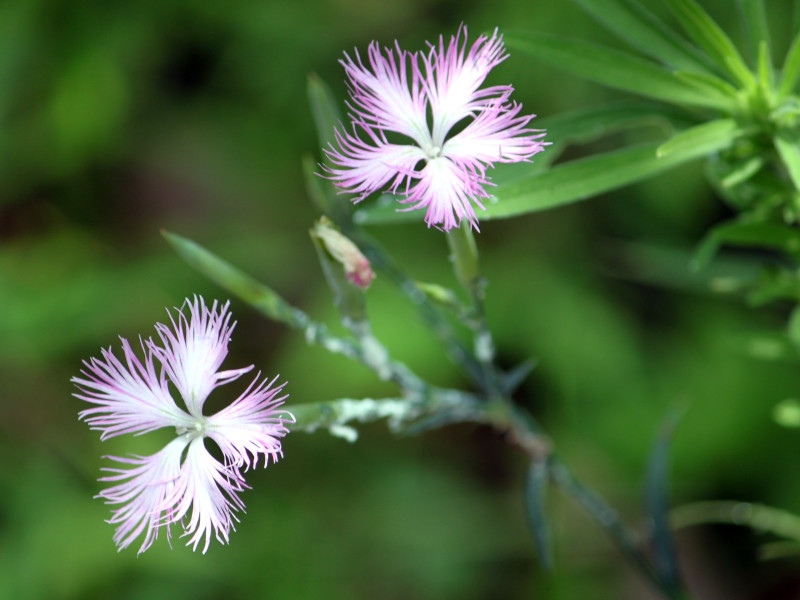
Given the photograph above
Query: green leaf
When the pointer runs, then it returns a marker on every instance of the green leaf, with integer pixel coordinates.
(754, 18)
(323, 109)
(645, 32)
(614, 68)
(766, 74)
(535, 493)
(791, 67)
(760, 235)
(657, 505)
(767, 519)
(712, 39)
(787, 143)
(742, 171)
(580, 180)
(241, 285)
(710, 84)
(702, 139)
(585, 125)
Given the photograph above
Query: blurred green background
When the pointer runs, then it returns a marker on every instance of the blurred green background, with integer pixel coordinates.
(120, 119)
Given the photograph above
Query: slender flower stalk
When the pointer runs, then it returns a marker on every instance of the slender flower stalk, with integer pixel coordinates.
(183, 483)
(423, 128)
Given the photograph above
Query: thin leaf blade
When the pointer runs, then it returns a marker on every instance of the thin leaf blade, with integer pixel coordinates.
(579, 180)
(614, 68)
(657, 504)
(787, 143)
(710, 37)
(703, 139)
(744, 233)
(535, 495)
(642, 30)
(791, 67)
(245, 287)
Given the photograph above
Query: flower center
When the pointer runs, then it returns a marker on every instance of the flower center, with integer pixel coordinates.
(196, 429)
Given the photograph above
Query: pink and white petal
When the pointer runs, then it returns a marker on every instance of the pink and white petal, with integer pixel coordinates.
(448, 190)
(144, 486)
(193, 350)
(129, 397)
(363, 167)
(498, 134)
(384, 95)
(453, 79)
(252, 425)
(205, 493)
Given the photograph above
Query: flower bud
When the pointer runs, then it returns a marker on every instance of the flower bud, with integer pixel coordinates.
(356, 266)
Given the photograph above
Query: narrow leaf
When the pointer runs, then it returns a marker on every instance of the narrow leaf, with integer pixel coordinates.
(766, 74)
(742, 172)
(586, 125)
(323, 109)
(787, 143)
(259, 296)
(711, 39)
(535, 493)
(711, 85)
(657, 504)
(776, 521)
(703, 139)
(645, 32)
(754, 18)
(760, 235)
(580, 180)
(791, 66)
(613, 68)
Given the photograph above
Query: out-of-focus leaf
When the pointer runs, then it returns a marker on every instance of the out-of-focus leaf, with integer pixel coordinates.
(645, 32)
(710, 84)
(512, 379)
(615, 69)
(787, 413)
(754, 18)
(742, 172)
(535, 495)
(761, 518)
(764, 235)
(774, 283)
(791, 67)
(711, 39)
(657, 504)
(787, 143)
(323, 109)
(766, 73)
(703, 139)
(589, 124)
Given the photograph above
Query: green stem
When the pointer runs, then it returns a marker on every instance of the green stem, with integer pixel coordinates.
(380, 260)
(466, 264)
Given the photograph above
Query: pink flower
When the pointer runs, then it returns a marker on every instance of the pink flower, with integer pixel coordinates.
(450, 129)
(183, 482)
